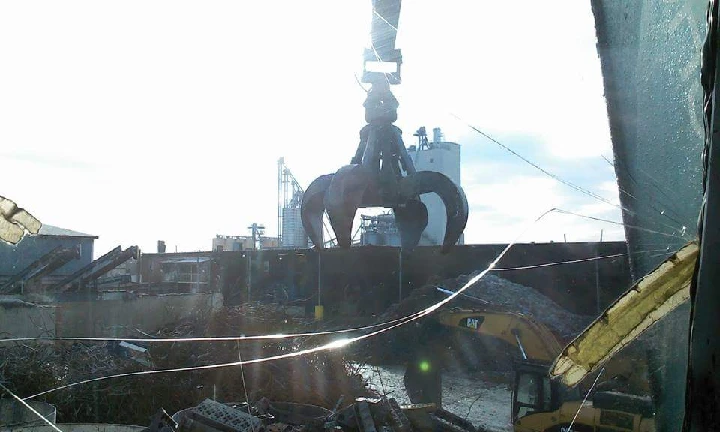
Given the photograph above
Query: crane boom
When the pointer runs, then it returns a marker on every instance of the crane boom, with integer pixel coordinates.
(383, 33)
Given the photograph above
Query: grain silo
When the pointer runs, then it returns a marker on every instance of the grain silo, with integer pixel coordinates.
(293, 234)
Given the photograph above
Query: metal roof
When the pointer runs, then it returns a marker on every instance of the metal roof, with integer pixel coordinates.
(50, 230)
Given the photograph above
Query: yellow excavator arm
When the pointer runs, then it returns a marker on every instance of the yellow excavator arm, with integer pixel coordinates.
(536, 343)
(538, 404)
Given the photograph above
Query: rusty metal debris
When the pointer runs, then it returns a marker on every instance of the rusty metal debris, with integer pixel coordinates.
(15, 222)
(211, 416)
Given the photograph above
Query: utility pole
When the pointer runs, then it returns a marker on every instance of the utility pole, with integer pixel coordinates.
(281, 199)
(597, 273)
(400, 274)
(197, 285)
(319, 311)
(249, 274)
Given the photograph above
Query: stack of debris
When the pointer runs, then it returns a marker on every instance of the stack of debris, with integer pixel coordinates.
(490, 292)
(258, 318)
(495, 293)
(501, 294)
(364, 415)
(318, 378)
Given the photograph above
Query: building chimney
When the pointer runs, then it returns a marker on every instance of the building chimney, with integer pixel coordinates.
(161, 246)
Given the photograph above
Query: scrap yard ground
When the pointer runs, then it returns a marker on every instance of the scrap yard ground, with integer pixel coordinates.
(481, 395)
(483, 398)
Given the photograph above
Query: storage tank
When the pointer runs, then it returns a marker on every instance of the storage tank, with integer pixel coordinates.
(293, 233)
(442, 157)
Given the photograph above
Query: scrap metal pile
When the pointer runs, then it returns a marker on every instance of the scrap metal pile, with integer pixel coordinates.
(363, 415)
(319, 378)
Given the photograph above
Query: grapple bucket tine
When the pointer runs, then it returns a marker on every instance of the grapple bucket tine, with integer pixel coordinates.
(343, 198)
(313, 208)
(411, 220)
(456, 206)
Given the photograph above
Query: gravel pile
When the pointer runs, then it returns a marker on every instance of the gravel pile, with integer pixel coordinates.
(499, 294)
(502, 294)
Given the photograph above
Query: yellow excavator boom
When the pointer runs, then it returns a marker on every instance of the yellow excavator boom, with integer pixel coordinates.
(533, 339)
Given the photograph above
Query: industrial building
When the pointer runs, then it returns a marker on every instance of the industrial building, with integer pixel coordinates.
(255, 241)
(59, 260)
(179, 272)
(372, 278)
(379, 230)
(14, 258)
(222, 243)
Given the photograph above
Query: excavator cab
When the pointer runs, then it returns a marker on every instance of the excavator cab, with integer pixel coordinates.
(534, 392)
(542, 404)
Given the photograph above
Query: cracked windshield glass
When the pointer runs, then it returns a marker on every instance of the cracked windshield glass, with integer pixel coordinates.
(357, 216)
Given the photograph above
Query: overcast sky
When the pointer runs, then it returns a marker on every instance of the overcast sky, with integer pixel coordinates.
(138, 121)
